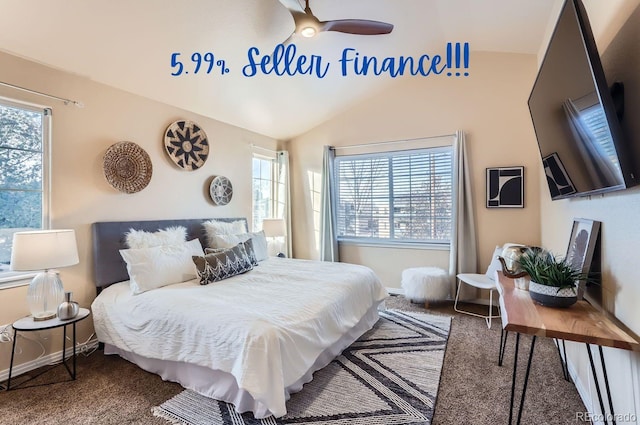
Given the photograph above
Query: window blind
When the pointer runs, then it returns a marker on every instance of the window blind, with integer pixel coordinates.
(400, 196)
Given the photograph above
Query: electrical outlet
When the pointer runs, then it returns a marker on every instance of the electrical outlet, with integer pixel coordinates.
(6, 333)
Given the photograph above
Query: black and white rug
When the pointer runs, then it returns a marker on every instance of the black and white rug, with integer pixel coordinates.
(388, 376)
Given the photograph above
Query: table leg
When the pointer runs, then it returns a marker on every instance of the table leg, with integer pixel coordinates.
(526, 378)
(74, 350)
(606, 384)
(563, 363)
(503, 345)
(513, 379)
(13, 351)
(596, 381)
(564, 351)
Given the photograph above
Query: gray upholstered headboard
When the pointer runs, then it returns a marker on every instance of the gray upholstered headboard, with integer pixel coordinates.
(109, 239)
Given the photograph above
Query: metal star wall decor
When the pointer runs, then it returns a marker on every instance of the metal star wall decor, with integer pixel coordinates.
(186, 144)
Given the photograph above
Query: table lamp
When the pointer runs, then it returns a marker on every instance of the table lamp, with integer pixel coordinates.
(274, 228)
(44, 250)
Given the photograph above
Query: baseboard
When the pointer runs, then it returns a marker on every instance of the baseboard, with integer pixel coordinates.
(49, 359)
(583, 391)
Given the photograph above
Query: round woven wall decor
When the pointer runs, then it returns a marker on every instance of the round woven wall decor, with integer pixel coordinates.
(220, 190)
(186, 144)
(127, 167)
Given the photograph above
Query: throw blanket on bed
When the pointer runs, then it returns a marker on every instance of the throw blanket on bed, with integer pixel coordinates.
(265, 327)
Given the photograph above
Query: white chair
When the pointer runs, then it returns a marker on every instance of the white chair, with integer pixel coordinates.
(481, 281)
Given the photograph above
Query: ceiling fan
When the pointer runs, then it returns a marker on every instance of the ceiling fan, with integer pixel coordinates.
(307, 25)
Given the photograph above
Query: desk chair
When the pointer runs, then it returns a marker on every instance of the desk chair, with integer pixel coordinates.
(481, 281)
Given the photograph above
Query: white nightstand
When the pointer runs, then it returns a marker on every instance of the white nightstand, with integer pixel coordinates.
(27, 324)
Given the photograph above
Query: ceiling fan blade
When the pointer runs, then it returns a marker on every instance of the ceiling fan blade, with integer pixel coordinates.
(357, 26)
(292, 5)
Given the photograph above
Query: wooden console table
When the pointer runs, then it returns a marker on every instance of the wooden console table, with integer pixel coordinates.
(580, 323)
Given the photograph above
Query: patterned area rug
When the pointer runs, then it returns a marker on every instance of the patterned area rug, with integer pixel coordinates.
(388, 376)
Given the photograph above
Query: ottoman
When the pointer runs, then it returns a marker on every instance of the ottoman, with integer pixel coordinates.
(424, 284)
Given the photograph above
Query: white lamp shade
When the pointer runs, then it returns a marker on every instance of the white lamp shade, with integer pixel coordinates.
(43, 249)
(273, 227)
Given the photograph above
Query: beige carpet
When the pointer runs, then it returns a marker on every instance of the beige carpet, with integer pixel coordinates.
(473, 389)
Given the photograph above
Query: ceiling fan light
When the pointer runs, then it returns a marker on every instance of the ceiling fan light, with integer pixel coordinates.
(308, 32)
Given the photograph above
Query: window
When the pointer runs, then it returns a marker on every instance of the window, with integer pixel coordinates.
(264, 199)
(24, 153)
(395, 197)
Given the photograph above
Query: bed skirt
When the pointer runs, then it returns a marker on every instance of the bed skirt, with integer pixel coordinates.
(222, 386)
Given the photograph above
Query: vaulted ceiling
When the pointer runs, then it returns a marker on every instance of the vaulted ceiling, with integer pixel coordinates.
(129, 44)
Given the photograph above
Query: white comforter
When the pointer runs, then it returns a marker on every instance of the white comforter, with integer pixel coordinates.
(265, 327)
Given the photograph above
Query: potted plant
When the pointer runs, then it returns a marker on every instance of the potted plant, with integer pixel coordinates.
(553, 281)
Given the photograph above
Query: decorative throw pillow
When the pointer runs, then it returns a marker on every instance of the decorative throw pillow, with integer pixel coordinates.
(158, 266)
(138, 239)
(258, 238)
(260, 245)
(214, 227)
(222, 265)
(248, 246)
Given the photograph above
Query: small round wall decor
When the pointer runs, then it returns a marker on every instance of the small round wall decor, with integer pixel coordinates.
(220, 190)
(186, 144)
(127, 167)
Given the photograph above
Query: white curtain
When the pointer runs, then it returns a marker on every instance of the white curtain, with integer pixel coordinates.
(328, 237)
(463, 255)
(283, 196)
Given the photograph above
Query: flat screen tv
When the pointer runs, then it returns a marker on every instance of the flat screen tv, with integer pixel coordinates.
(574, 115)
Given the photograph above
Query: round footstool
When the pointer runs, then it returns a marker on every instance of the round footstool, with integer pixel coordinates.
(424, 284)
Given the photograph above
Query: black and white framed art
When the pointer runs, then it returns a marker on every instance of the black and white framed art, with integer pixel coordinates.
(505, 187)
(581, 248)
(560, 184)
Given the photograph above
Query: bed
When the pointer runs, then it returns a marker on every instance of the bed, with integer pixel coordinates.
(250, 340)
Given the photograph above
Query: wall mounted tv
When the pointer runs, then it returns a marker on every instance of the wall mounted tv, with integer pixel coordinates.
(576, 115)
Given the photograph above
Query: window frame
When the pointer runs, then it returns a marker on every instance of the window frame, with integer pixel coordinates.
(273, 188)
(392, 242)
(11, 279)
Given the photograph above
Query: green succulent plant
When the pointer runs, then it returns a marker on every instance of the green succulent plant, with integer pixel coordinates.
(546, 269)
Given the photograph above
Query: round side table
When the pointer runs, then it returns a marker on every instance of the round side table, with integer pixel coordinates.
(27, 324)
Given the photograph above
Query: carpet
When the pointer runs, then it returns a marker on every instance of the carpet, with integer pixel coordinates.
(390, 375)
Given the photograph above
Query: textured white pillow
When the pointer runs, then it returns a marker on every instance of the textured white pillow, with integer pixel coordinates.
(154, 267)
(216, 228)
(229, 241)
(138, 239)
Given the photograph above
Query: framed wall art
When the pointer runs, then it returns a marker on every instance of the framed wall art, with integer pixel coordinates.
(560, 184)
(505, 187)
(581, 247)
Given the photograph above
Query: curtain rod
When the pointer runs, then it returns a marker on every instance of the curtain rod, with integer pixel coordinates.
(62, 99)
(390, 142)
(253, 146)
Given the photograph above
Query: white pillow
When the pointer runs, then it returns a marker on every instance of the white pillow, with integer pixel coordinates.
(229, 241)
(138, 239)
(215, 228)
(154, 267)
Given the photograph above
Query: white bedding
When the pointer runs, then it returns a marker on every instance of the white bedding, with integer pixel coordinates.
(266, 327)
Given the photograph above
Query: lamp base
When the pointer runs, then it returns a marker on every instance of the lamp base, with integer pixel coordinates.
(44, 295)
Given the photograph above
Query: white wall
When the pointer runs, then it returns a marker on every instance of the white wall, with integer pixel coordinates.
(618, 212)
(80, 193)
(490, 106)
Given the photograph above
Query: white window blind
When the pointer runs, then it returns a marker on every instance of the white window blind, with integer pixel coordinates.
(400, 196)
